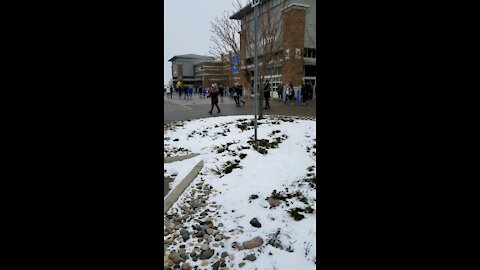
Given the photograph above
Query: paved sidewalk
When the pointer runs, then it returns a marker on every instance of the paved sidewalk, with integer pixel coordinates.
(179, 110)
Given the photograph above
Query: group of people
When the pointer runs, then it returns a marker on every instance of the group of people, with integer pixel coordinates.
(306, 91)
(187, 92)
(214, 92)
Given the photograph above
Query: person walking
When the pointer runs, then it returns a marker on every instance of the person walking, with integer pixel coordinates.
(168, 91)
(239, 91)
(280, 91)
(236, 97)
(213, 94)
(179, 88)
(291, 93)
(190, 92)
(237, 94)
(220, 91)
(309, 92)
(266, 94)
(303, 92)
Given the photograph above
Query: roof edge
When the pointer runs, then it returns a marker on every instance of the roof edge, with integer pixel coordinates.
(239, 14)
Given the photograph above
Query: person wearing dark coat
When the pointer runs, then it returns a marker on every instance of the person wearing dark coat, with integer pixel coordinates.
(280, 91)
(220, 90)
(266, 94)
(303, 92)
(237, 94)
(213, 94)
(309, 92)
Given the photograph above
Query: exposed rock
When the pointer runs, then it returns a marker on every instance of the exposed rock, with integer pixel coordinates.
(185, 235)
(254, 222)
(206, 254)
(204, 247)
(241, 264)
(224, 254)
(185, 266)
(175, 257)
(255, 242)
(273, 202)
(216, 265)
(250, 257)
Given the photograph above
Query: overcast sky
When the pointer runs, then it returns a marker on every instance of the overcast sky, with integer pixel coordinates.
(187, 28)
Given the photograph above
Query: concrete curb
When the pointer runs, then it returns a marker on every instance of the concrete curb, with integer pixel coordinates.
(180, 188)
(179, 158)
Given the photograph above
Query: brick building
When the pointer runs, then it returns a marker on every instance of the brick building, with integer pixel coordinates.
(183, 68)
(295, 57)
(196, 70)
(216, 71)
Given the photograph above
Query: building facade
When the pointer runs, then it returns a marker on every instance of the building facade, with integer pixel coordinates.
(183, 68)
(210, 72)
(196, 70)
(290, 47)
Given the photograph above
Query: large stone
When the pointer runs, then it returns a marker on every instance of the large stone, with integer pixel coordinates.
(216, 265)
(250, 257)
(185, 235)
(206, 254)
(185, 266)
(175, 257)
(254, 222)
(273, 202)
(254, 243)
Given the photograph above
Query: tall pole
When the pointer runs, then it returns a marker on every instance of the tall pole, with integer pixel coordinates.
(255, 65)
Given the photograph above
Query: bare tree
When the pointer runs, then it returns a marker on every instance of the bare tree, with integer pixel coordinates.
(226, 39)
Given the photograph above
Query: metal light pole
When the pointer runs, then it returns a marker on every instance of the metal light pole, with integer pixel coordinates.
(255, 4)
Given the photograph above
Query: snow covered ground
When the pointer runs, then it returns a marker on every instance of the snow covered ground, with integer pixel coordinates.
(273, 181)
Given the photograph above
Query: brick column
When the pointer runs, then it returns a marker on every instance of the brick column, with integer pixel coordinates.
(293, 24)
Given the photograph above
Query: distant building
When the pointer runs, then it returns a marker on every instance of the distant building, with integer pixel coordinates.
(296, 60)
(196, 70)
(183, 70)
(221, 72)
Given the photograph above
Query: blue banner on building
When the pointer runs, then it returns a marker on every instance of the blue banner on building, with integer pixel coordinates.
(235, 60)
